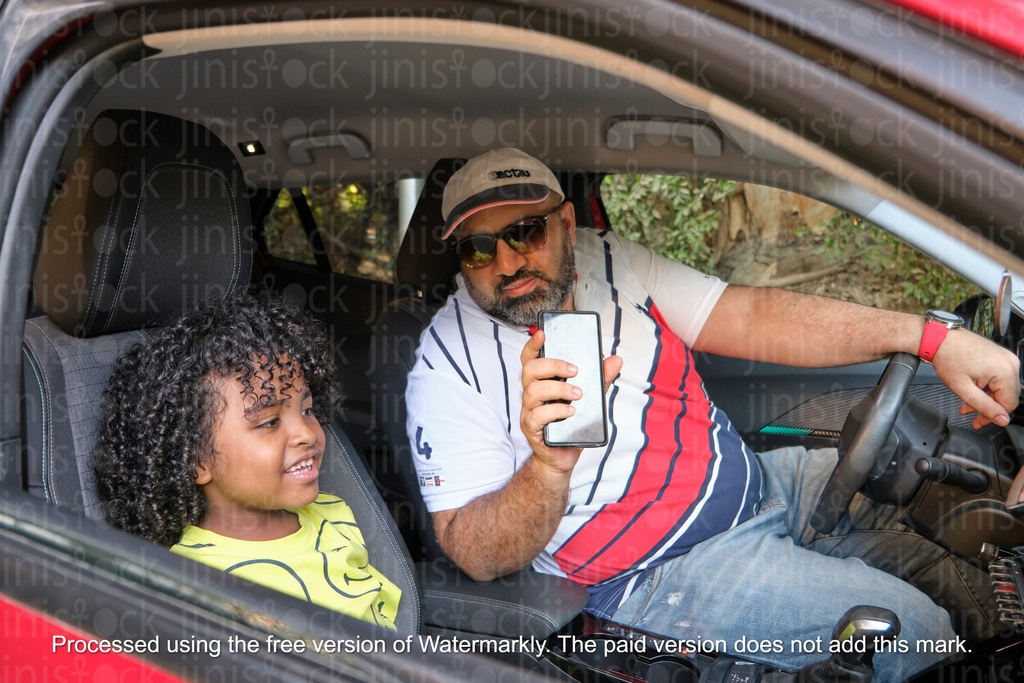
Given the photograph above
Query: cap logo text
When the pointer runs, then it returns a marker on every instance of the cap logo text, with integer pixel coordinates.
(508, 173)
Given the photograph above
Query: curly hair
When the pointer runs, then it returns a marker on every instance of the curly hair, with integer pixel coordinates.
(160, 406)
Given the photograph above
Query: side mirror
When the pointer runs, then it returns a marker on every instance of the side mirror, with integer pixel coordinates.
(1003, 305)
(986, 315)
(979, 314)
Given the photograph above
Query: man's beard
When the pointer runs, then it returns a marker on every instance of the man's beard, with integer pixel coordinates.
(522, 310)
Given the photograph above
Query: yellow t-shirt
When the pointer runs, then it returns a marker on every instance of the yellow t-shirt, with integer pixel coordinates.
(324, 562)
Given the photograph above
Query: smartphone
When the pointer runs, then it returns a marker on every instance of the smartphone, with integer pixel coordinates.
(575, 336)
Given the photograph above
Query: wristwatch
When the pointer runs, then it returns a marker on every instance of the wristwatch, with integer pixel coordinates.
(937, 325)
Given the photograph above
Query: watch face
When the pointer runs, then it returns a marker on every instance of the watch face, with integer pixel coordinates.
(945, 317)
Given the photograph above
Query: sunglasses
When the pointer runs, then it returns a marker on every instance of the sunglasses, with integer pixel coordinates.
(525, 235)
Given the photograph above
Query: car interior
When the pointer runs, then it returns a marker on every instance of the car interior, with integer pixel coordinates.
(175, 153)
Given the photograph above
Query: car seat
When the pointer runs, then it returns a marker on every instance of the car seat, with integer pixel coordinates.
(122, 250)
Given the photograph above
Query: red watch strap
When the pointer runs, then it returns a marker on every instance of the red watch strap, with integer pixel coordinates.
(934, 333)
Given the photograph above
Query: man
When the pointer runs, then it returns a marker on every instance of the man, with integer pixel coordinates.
(676, 527)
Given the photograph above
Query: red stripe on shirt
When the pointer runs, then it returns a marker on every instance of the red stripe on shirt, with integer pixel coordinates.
(668, 476)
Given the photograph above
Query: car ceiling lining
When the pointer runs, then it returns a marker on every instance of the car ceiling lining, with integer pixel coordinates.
(749, 138)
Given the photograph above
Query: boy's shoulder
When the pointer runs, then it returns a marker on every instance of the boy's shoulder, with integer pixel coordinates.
(330, 507)
(329, 515)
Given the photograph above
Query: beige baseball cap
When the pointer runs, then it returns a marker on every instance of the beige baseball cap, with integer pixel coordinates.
(500, 176)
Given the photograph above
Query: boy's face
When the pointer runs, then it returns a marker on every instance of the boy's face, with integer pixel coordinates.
(266, 457)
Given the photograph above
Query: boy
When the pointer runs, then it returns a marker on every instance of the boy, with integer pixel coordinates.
(211, 443)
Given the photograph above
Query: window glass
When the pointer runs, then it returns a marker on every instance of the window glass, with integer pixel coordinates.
(357, 223)
(754, 235)
(284, 233)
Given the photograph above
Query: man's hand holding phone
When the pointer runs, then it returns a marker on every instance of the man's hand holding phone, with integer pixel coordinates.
(549, 395)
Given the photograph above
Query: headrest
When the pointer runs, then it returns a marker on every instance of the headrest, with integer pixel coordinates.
(152, 219)
(425, 261)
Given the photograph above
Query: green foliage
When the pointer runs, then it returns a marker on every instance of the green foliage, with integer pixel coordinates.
(284, 234)
(678, 218)
(675, 216)
(356, 222)
(928, 283)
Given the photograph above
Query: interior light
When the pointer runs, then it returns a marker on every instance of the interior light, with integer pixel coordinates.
(251, 148)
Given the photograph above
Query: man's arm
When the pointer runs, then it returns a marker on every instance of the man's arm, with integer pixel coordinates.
(776, 326)
(503, 531)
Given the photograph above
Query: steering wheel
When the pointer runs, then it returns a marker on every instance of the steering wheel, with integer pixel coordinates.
(863, 443)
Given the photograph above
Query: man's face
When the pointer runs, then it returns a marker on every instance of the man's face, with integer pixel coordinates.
(514, 287)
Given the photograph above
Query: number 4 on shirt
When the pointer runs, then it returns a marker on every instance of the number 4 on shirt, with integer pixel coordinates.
(424, 447)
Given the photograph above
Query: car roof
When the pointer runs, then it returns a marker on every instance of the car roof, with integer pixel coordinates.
(991, 22)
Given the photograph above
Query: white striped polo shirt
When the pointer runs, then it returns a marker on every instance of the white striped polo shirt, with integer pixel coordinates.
(675, 472)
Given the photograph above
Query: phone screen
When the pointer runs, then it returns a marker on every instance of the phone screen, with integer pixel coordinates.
(575, 336)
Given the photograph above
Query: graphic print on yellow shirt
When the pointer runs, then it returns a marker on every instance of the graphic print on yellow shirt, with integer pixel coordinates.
(325, 562)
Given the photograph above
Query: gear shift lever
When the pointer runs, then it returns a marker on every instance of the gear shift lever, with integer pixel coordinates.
(857, 635)
(863, 628)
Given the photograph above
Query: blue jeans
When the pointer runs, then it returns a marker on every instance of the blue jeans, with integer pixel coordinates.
(774, 578)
